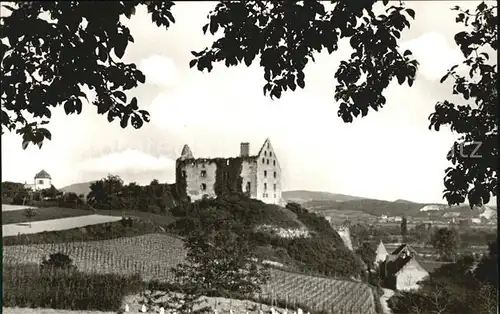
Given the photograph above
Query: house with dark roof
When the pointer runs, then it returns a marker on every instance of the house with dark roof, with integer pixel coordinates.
(42, 181)
(401, 269)
(258, 176)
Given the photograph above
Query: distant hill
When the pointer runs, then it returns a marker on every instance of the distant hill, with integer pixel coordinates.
(370, 206)
(399, 208)
(402, 201)
(78, 188)
(303, 196)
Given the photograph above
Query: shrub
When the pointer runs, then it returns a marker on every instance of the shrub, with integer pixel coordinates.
(27, 286)
(57, 261)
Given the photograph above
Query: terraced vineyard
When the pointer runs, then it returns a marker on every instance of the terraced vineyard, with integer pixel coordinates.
(153, 255)
(150, 255)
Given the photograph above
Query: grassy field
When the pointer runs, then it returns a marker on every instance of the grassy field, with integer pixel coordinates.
(17, 216)
(339, 216)
(9, 207)
(56, 224)
(152, 255)
(47, 213)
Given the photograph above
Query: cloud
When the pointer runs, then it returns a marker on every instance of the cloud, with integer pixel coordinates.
(125, 161)
(434, 54)
(159, 70)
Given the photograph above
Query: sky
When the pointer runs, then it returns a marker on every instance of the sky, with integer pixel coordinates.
(390, 154)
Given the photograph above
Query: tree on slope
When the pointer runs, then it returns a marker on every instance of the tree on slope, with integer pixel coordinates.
(445, 242)
(404, 228)
(45, 62)
(221, 259)
(29, 213)
(367, 252)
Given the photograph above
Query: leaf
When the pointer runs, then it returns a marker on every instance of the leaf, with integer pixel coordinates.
(204, 28)
(485, 55)
(401, 78)
(140, 77)
(213, 26)
(301, 82)
(103, 55)
(136, 121)
(69, 106)
(248, 59)
(444, 77)
(411, 13)
(133, 104)
(120, 95)
(78, 105)
(124, 121)
(145, 115)
(120, 45)
(170, 16)
(130, 13)
(276, 92)
(46, 133)
(407, 53)
(192, 63)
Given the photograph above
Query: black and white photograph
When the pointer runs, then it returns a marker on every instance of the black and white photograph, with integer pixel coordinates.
(238, 157)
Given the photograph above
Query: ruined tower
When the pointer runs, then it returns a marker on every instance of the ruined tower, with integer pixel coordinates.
(258, 176)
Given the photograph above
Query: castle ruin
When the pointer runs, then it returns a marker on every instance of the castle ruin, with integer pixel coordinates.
(258, 176)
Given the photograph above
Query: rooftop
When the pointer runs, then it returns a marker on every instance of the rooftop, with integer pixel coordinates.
(42, 175)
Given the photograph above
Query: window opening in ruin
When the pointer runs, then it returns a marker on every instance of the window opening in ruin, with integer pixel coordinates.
(265, 186)
(265, 153)
(274, 186)
(268, 161)
(203, 186)
(183, 173)
(274, 162)
(265, 173)
(263, 160)
(270, 154)
(275, 174)
(203, 174)
(248, 188)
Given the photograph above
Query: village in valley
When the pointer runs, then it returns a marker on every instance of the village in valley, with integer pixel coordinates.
(159, 187)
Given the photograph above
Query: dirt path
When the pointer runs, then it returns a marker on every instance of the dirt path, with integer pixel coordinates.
(388, 293)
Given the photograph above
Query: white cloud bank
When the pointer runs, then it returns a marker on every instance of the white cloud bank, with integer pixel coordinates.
(435, 55)
(159, 70)
(127, 160)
